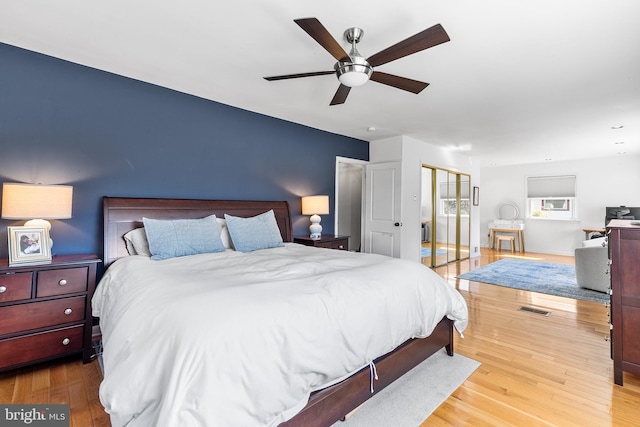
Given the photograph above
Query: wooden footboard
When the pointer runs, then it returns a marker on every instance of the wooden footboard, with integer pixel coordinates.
(329, 405)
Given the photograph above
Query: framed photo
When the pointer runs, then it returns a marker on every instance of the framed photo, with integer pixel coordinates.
(476, 196)
(29, 245)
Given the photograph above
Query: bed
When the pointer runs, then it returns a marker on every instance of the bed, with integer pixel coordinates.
(167, 361)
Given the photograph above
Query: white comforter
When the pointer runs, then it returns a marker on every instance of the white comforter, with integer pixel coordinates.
(241, 339)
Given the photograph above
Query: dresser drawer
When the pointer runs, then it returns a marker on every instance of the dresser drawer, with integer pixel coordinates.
(14, 287)
(328, 245)
(342, 245)
(61, 281)
(24, 317)
(15, 351)
(329, 242)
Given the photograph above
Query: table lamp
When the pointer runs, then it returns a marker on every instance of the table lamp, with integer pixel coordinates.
(36, 202)
(315, 206)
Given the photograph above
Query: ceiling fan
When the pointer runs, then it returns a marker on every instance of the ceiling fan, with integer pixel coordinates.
(354, 70)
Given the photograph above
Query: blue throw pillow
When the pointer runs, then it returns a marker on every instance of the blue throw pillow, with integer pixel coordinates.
(251, 234)
(180, 237)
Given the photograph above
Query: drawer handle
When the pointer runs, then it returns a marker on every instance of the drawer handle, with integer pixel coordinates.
(68, 311)
(62, 282)
(66, 341)
(3, 289)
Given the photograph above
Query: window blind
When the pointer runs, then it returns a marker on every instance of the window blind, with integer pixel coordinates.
(551, 186)
(448, 190)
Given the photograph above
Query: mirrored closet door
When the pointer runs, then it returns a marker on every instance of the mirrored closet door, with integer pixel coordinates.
(445, 208)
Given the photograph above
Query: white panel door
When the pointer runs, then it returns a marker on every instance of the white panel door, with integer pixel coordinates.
(382, 209)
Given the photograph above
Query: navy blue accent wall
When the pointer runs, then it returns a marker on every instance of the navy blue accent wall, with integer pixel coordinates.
(63, 123)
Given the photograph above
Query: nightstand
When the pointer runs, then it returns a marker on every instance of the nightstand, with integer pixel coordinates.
(46, 310)
(326, 241)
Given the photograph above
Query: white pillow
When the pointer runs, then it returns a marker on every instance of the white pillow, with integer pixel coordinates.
(224, 233)
(137, 243)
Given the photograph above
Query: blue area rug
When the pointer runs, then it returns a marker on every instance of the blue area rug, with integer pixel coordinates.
(534, 276)
(426, 252)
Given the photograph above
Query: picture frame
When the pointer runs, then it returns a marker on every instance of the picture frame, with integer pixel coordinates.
(476, 196)
(29, 245)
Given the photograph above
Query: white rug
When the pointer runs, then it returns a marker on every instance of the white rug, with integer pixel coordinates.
(408, 401)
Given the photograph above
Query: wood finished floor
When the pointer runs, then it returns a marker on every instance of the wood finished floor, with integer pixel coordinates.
(536, 371)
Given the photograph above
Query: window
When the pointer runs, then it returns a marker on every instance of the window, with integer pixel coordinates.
(551, 197)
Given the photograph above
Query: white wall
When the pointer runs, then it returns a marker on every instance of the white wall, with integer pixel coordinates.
(413, 154)
(602, 182)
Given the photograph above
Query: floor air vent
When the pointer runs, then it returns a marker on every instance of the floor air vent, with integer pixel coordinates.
(534, 310)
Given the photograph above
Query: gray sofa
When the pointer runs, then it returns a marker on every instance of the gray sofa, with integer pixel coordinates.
(592, 265)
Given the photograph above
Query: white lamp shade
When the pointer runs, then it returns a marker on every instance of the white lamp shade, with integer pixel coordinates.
(28, 201)
(315, 205)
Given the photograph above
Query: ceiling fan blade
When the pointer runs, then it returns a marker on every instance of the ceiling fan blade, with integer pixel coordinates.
(403, 83)
(341, 95)
(423, 40)
(295, 76)
(319, 33)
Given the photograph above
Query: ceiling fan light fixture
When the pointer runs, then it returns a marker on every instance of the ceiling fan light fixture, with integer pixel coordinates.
(356, 71)
(353, 73)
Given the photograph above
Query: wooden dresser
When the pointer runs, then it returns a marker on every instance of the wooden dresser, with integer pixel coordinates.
(326, 241)
(45, 310)
(624, 247)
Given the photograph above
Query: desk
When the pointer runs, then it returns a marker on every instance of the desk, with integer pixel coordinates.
(588, 231)
(518, 233)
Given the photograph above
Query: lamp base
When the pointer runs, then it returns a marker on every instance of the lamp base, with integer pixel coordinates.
(41, 223)
(38, 223)
(315, 229)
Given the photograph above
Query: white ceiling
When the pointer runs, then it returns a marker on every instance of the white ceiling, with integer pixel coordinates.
(519, 82)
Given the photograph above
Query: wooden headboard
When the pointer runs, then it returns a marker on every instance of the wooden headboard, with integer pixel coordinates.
(123, 214)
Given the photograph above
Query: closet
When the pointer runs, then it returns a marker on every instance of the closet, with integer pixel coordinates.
(445, 216)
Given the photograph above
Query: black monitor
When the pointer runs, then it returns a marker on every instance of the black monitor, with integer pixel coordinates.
(621, 212)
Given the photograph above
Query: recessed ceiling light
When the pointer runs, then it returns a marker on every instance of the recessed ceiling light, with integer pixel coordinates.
(619, 143)
(371, 129)
(617, 127)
